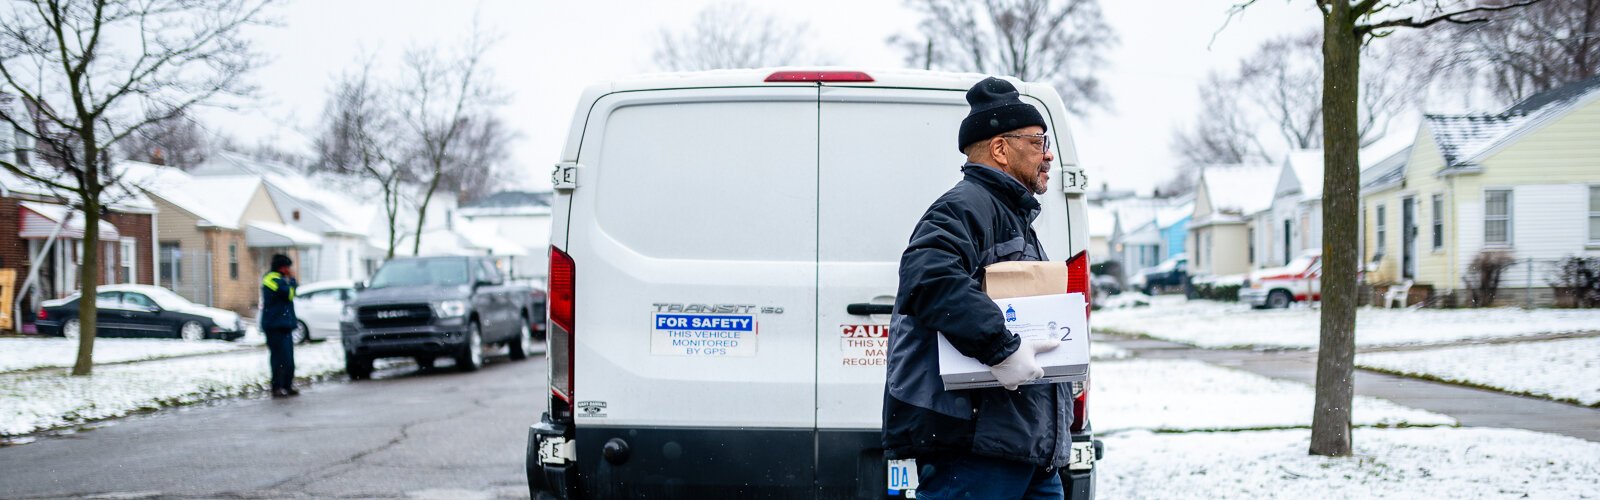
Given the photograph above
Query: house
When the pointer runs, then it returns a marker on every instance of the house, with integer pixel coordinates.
(1524, 181)
(40, 225)
(1142, 231)
(1102, 221)
(1228, 201)
(216, 234)
(520, 217)
(320, 204)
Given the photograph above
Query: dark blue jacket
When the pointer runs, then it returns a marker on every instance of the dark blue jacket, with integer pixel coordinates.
(277, 302)
(986, 218)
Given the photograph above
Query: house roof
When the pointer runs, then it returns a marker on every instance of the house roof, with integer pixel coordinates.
(509, 203)
(1306, 165)
(217, 202)
(324, 196)
(1240, 189)
(1386, 171)
(121, 198)
(1102, 221)
(1465, 139)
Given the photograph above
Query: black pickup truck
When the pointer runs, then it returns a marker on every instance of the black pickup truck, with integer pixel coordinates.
(428, 307)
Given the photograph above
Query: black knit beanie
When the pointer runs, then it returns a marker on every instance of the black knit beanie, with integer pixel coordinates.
(996, 109)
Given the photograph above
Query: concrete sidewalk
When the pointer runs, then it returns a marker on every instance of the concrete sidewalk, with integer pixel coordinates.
(1472, 407)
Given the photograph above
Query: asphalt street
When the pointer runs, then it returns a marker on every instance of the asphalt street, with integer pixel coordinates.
(406, 434)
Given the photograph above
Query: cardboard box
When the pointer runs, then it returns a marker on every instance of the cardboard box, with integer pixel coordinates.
(1033, 298)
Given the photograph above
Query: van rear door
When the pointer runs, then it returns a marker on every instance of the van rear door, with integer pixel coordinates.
(693, 233)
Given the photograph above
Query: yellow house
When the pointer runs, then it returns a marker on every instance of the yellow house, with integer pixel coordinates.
(1525, 181)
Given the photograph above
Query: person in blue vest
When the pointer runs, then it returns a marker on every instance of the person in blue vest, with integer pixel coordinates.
(278, 323)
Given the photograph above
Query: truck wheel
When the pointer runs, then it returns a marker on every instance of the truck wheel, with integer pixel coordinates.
(1279, 299)
(471, 356)
(359, 367)
(523, 345)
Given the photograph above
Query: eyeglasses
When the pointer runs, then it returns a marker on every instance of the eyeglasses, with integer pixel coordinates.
(1043, 148)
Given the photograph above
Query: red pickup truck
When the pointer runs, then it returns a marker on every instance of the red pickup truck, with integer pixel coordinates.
(1276, 288)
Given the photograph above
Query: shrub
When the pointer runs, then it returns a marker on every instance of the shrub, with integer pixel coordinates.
(1484, 273)
(1579, 278)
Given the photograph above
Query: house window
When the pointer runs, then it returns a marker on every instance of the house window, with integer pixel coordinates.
(129, 261)
(1497, 217)
(171, 265)
(1382, 226)
(1438, 221)
(233, 261)
(1594, 214)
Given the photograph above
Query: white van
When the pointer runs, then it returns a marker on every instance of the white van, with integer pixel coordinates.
(724, 252)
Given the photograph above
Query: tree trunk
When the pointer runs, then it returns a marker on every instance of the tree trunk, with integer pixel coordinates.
(422, 211)
(89, 270)
(391, 208)
(1330, 422)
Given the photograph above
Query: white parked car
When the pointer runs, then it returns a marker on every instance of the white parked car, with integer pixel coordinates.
(718, 323)
(1277, 287)
(318, 306)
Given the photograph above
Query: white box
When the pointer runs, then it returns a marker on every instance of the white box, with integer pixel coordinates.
(1063, 316)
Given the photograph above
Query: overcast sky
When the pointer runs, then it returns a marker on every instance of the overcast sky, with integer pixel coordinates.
(550, 50)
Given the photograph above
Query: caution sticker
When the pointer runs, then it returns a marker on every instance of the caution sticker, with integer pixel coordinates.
(864, 345)
(704, 335)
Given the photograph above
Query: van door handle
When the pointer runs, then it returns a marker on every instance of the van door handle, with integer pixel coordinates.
(868, 309)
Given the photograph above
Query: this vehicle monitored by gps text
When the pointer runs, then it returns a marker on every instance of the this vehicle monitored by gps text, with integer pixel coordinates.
(718, 323)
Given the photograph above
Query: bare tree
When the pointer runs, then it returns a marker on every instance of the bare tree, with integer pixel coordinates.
(1224, 132)
(1283, 79)
(1535, 49)
(729, 35)
(1347, 26)
(1062, 42)
(447, 104)
(359, 137)
(177, 141)
(89, 71)
(485, 146)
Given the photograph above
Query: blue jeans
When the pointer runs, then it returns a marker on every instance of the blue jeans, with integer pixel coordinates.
(280, 348)
(983, 477)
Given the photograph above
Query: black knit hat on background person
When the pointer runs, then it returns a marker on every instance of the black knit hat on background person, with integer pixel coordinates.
(280, 260)
(996, 109)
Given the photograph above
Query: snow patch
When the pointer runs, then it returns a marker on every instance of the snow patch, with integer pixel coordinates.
(1557, 369)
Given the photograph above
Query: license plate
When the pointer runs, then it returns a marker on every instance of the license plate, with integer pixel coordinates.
(1082, 456)
(903, 477)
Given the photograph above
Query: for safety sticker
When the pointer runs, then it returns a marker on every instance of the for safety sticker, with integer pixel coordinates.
(864, 345)
(703, 335)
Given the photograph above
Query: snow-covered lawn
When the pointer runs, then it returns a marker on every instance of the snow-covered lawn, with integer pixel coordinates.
(1389, 463)
(44, 399)
(1222, 325)
(1183, 395)
(30, 353)
(1558, 369)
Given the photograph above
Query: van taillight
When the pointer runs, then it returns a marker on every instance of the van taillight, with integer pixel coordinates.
(1080, 406)
(1078, 278)
(562, 295)
(819, 76)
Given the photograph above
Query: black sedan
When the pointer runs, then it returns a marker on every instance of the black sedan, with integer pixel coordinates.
(141, 311)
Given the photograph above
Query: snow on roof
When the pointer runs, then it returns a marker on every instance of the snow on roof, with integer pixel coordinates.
(186, 192)
(333, 199)
(1166, 217)
(1241, 189)
(1306, 165)
(509, 203)
(120, 198)
(1465, 139)
(1101, 221)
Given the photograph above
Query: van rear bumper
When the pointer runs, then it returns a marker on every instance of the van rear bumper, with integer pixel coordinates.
(701, 462)
(709, 462)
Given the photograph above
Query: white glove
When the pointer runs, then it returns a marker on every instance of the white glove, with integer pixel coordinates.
(1021, 367)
